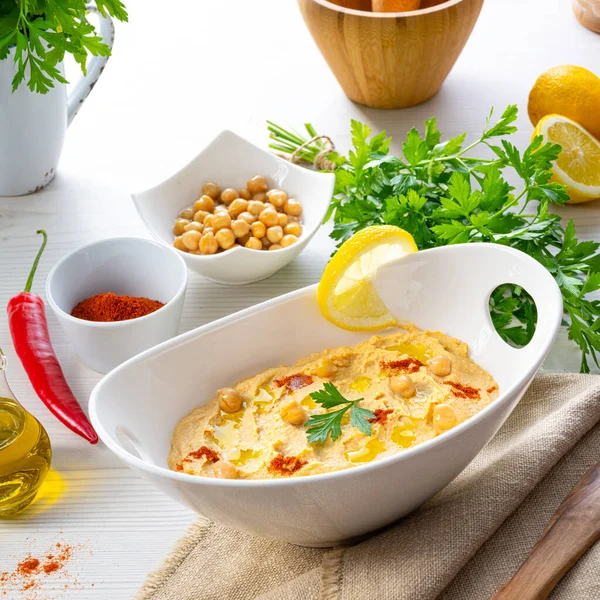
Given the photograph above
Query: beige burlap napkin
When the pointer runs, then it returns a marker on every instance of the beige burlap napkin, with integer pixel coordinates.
(462, 545)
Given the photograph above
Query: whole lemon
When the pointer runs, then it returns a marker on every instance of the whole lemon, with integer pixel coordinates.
(570, 91)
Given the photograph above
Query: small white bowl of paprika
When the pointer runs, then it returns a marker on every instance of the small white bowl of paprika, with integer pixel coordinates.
(127, 294)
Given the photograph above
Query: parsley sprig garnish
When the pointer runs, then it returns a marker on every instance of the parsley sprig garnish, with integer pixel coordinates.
(330, 423)
(442, 195)
(44, 30)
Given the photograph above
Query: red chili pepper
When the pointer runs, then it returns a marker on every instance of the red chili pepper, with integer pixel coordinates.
(29, 331)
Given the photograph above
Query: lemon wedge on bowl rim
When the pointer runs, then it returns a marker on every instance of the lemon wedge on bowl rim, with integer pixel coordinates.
(346, 295)
(578, 164)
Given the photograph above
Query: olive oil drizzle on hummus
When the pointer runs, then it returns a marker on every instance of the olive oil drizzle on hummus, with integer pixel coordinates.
(417, 384)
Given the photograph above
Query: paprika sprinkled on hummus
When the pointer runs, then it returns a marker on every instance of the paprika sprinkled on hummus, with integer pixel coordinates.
(463, 391)
(381, 415)
(294, 382)
(286, 465)
(203, 451)
(406, 365)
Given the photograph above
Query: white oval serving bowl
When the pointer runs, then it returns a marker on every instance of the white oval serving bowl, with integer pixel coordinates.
(125, 266)
(135, 408)
(231, 161)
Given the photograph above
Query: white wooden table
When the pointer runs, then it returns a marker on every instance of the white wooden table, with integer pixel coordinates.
(177, 77)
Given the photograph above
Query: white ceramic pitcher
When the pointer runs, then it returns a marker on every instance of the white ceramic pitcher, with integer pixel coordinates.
(32, 125)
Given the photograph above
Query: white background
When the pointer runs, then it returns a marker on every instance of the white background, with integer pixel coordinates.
(181, 72)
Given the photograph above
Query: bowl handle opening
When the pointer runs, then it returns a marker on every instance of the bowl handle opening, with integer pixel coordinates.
(548, 301)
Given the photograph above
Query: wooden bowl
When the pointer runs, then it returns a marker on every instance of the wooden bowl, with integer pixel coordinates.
(390, 60)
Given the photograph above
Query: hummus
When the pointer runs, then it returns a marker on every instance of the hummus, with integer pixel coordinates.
(416, 383)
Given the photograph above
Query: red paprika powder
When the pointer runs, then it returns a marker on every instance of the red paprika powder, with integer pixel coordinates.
(110, 307)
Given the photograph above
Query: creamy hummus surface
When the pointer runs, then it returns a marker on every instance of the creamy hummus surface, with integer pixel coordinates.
(416, 383)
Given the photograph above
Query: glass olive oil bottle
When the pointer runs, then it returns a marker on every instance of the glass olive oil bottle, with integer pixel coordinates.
(25, 452)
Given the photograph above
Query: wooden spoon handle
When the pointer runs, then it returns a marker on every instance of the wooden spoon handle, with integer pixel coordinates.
(573, 529)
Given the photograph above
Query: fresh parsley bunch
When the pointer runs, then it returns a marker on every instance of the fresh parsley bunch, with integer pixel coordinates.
(442, 196)
(44, 30)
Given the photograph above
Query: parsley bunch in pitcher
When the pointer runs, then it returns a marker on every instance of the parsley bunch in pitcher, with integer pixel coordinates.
(330, 423)
(43, 31)
(442, 195)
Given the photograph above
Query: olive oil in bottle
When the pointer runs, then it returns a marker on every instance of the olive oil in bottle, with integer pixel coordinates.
(25, 452)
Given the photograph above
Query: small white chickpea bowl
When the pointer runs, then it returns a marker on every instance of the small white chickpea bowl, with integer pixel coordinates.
(126, 266)
(231, 161)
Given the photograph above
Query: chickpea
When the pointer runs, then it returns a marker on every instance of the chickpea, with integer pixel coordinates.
(258, 184)
(288, 240)
(208, 243)
(266, 243)
(230, 400)
(237, 207)
(195, 226)
(178, 243)
(293, 207)
(293, 229)
(248, 217)
(220, 208)
(240, 228)
(254, 244)
(211, 189)
(245, 194)
(178, 228)
(403, 385)
(256, 207)
(440, 365)
(269, 217)
(200, 215)
(258, 229)
(224, 470)
(277, 198)
(243, 240)
(325, 368)
(261, 197)
(228, 196)
(274, 234)
(187, 213)
(221, 221)
(208, 230)
(274, 247)
(225, 238)
(293, 413)
(205, 203)
(208, 221)
(283, 220)
(444, 417)
(195, 252)
(191, 239)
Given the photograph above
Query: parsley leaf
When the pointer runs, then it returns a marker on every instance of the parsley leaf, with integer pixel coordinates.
(330, 423)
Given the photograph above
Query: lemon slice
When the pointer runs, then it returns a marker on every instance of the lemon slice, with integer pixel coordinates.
(346, 294)
(578, 165)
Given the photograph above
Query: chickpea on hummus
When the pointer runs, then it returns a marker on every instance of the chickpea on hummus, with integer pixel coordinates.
(417, 384)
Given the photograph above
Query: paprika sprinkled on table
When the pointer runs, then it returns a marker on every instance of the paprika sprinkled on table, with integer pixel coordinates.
(31, 572)
(110, 307)
(28, 566)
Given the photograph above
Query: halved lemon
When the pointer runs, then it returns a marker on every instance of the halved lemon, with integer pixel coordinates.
(578, 165)
(346, 295)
